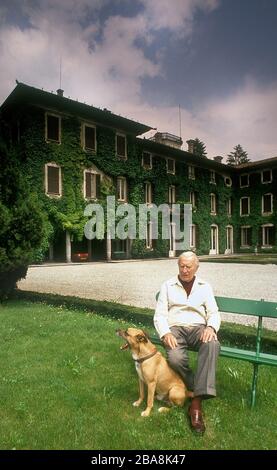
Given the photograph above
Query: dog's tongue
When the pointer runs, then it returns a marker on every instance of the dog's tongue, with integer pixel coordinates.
(124, 346)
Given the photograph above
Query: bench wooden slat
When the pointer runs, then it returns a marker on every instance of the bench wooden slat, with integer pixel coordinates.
(236, 353)
(250, 356)
(247, 307)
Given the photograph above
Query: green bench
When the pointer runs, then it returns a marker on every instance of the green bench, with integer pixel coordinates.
(260, 309)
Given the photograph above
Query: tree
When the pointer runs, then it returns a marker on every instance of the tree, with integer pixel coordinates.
(22, 226)
(237, 157)
(199, 148)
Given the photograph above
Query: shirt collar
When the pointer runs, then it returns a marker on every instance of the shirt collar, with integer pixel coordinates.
(175, 280)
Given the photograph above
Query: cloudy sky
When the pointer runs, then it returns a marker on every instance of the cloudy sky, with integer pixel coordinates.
(216, 59)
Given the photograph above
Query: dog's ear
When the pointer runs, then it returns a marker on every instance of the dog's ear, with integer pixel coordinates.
(146, 334)
(141, 338)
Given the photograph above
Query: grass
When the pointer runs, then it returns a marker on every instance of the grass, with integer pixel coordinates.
(260, 258)
(65, 384)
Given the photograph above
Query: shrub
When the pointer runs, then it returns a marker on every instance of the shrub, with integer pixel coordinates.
(22, 224)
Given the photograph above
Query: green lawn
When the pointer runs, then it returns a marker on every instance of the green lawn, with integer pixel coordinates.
(260, 258)
(65, 384)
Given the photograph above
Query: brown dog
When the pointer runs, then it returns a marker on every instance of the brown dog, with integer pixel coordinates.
(154, 371)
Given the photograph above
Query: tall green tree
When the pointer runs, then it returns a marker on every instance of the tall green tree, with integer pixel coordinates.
(199, 148)
(238, 156)
(22, 223)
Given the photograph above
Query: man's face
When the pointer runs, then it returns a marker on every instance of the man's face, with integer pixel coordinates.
(187, 268)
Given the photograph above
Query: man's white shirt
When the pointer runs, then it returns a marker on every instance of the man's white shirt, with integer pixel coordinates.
(175, 308)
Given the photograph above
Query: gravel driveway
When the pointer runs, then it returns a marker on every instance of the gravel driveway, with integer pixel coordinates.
(136, 282)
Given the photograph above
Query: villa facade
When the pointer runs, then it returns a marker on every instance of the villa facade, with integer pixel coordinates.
(74, 154)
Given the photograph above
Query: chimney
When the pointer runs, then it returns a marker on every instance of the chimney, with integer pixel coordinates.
(190, 143)
(60, 92)
(168, 139)
(218, 159)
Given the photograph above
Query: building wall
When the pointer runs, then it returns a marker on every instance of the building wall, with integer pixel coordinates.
(66, 212)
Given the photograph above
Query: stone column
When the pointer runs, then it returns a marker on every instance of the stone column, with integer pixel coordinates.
(109, 246)
(68, 246)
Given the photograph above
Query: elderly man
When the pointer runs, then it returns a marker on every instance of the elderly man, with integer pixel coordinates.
(187, 316)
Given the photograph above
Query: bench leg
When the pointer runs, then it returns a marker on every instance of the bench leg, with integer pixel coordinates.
(254, 385)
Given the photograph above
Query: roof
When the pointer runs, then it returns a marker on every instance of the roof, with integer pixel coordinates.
(25, 94)
(184, 156)
(267, 162)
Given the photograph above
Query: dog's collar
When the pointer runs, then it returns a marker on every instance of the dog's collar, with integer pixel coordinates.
(142, 359)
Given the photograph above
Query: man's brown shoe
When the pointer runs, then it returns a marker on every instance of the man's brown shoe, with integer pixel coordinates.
(196, 420)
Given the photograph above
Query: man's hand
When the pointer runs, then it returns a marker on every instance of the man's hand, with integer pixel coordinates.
(208, 335)
(170, 340)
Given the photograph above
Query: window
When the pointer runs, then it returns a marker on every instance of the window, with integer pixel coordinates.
(229, 206)
(52, 128)
(212, 177)
(119, 246)
(89, 137)
(244, 205)
(266, 176)
(121, 146)
(53, 181)
(213, 204)
(268, 235)
(244, 181)
(246, 236)
(147, 160)
(228, 181)
(170, 166)
(149, 243)
(192, 198)
(267, 204)
(192, 234)
(148, 193)
(121, 189)
(229, 239)
(191, 172)
(91, 185)
(214, 240)
(171, 195)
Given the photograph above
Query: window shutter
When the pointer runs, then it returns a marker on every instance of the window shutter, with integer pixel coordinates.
(53, 180)
(53, 128)
(250, 241)
(120, 145)
(118, 188)
(88, 192)
(98, 186)
(126, 191)
(272, 235)
(267, 203)
(89, 138)
(146, 158)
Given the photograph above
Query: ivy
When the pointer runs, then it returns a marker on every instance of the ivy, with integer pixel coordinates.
(67, 212)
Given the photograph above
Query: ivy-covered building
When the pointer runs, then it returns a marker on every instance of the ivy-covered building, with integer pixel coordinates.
(73, 154)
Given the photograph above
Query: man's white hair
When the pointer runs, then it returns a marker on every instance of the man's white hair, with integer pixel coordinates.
(189, 254)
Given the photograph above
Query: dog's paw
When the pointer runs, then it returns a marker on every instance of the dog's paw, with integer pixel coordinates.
(137, 403)
(145, 413)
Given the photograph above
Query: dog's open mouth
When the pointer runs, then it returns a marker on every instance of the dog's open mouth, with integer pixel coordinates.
(121, 333)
